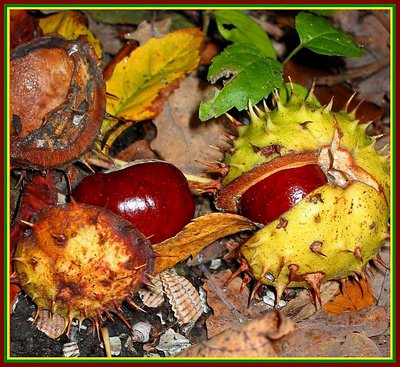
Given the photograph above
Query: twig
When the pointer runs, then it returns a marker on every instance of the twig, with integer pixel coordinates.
(106, 341)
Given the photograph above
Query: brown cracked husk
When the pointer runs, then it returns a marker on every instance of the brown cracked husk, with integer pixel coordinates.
(57, 101)
(80, 261)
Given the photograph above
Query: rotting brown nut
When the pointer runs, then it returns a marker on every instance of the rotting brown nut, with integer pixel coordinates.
(57, 101)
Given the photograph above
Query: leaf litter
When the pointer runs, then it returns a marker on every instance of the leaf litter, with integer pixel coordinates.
(361, 331)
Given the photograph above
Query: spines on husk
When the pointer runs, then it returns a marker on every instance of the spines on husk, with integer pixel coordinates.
(337, 229)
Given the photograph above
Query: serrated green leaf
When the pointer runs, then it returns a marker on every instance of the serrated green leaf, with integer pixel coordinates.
(318, 35)
(252, 77)
(245, 30)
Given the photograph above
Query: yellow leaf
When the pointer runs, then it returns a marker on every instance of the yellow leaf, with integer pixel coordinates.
(144, 76)
(70, 25)
(198, 234)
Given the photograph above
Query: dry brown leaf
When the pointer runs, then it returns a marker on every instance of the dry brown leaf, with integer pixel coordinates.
(358, 345)
(354, 296)
(147, 30)
(195, 236)
(209, 51)
(182, 139)
(380, 279)
(107, 34)
(371, 31)
(255, 338)
(300, 307)
(229, 305)
(214, 251)
(328, 333)
(139, 149)
(305, 75)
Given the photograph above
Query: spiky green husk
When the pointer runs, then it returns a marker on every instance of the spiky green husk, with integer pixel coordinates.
(303, 126)
(332, 231)
(337, 229)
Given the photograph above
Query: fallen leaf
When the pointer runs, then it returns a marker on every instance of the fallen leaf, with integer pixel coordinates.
(211, 252)
(230, 305)
(39, 193)
(255, 338)
(354, 296)
(195, 236)
(327, 333)
(373, 31)
(23, 27)
(358, 345)
(380, 278)
(107, 34)
(182, 138)
(139, 149)
(147, 30)
(305, 75)
(300, 307)
(140, 82)
(70, 25)
(209, 51)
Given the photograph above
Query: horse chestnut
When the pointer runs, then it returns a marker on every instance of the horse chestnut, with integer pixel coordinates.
(268, 199)
(153, 196)
(57, 101)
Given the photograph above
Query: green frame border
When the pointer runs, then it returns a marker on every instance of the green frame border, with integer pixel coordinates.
(393, 322)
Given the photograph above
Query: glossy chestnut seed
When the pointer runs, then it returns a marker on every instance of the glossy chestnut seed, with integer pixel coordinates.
(153, 196)
(273, 196)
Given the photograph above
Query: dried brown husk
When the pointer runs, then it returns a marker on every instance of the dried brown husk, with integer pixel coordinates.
(57, 101)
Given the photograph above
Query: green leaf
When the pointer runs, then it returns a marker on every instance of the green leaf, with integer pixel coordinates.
(240, 28)
(324, 12)
(252, 77)
(318, 35)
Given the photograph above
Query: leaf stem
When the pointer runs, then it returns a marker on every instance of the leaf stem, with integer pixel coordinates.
(294, 52)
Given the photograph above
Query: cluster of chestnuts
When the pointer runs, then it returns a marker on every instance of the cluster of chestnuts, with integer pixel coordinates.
(309, 177)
